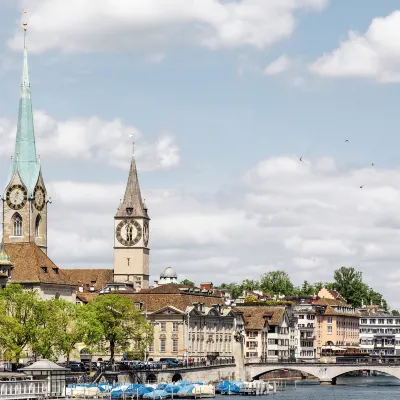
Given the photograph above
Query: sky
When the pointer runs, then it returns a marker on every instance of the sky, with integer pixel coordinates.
(266, 131)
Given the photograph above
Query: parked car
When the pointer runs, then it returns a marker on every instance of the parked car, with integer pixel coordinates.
(76, 367)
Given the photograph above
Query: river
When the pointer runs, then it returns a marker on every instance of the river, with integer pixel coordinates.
(347, 388)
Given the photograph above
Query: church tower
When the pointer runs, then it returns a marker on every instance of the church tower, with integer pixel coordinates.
(24, 199)
(131, 236)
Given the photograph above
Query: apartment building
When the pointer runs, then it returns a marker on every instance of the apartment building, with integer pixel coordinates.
(379, 331)
(267, 332)
(336, 323)
(305, 314)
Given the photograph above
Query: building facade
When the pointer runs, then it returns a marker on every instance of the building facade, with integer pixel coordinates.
(267, 333)
(379, 332)
(336, 323)
(306, 345)
(188, 322)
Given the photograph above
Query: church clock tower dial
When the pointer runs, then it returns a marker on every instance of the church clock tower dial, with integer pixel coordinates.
(131, 224)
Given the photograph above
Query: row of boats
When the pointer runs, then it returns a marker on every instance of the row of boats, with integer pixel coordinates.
(251, 388)
(181, 389)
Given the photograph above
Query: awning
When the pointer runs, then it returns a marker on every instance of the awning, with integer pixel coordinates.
(334, 348)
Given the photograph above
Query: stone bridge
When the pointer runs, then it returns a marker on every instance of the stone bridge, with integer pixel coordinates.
(326, 373)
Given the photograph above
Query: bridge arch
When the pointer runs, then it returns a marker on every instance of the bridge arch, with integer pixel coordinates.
(326, 373)
(278, 368)
(392, 371)
(177, 377)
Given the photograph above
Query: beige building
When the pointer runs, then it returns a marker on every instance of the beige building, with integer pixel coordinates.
(337, 322)
(187, 321)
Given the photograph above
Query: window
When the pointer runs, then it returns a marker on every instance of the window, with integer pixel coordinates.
(272, 352)
(252, 334)
(364, 321)
(252, 345)
(381, 321)
(138, 306)
(330, 320)
(17, 225)
(163, 326)
(162, 345)
(329, 329)
(151, 347)
(372, 321)
(174, 344)
(175, 327)
(37, 226)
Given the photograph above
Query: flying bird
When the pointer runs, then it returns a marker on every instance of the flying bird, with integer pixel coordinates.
(361, 186)
(373, 164)
(346, 141)
(301, 159)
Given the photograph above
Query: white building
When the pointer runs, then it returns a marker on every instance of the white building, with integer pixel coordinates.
(379, 332)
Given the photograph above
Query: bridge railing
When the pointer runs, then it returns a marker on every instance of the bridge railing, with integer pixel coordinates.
(355, 361)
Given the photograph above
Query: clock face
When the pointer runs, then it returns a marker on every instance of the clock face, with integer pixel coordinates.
(16, 197)
(39, 196)
(146, 233)
(128, 232)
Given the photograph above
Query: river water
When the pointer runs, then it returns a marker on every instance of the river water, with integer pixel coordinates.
(347, 388)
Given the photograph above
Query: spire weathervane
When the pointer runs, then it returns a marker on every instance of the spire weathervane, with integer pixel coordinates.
(133, 144)
(25, 25)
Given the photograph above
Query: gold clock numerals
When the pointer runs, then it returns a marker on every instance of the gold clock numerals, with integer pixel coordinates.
(128, 232)
(16, 197)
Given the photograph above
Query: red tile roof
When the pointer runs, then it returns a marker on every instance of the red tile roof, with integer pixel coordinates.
(32, 265)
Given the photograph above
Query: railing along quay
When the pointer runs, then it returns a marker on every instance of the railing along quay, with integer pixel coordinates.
(30, 389)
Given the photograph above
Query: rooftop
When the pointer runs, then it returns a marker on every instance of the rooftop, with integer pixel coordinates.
(31, 264)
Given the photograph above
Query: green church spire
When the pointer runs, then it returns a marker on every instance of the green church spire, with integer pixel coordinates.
(25, 160)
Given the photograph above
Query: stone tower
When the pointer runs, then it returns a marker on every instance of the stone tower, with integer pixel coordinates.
(25, 196)
(131, 236)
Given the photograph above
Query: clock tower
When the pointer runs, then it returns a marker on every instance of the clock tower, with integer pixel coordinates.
(131, 236)
(24, 198)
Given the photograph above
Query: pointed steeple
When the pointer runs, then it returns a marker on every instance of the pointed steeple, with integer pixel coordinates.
(132, 205)
(25, 160)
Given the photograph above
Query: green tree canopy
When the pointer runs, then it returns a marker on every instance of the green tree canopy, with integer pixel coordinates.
(121, 323)
(21, 315)
(277, 282)
(187, 282)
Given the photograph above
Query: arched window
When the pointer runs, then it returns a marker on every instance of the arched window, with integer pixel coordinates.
(17, 225)
(37, 226)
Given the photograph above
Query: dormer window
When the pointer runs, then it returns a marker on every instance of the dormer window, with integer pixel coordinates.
(44, 269)
(55, 270)
(129, 210)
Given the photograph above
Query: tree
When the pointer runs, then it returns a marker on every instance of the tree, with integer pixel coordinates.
(235, 289)
(395, 313)
(187, 282)
(20, 316)
(122, 325)
(277, 282)
(72, 324)
(348, 282)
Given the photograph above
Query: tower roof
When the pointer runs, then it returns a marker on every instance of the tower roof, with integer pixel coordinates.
(25, 160)
(4, 259)
(132, 205)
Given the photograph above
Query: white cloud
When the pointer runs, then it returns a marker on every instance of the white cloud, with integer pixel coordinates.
(101, 25)
(374, 55)
(278, 66)
(96, 140)
(308, 218)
